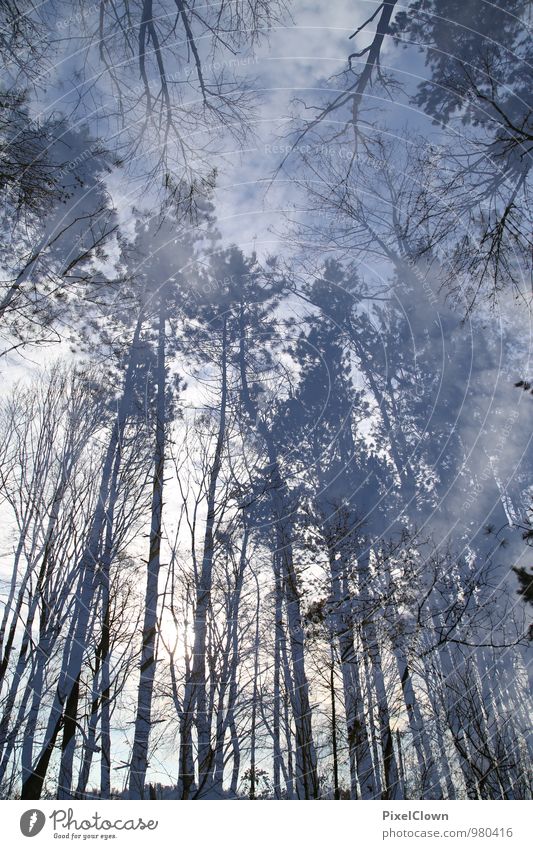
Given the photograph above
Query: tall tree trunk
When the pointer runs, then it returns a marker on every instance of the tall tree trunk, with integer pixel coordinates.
(401, 770)
(75, 649)
(105, 718)
(195, 697)
(334, 743)
(430, 781)
(253, 777)
(446, 671)
(370, 641)
(230, 667)
(43, 652)
(143, 717)
(101, 686)
(68, 744)
(33, 774)
(276, 707)
(89, 745)
(306, 763)
(359, 754)
(236, 768)
(444, 761)
(371, 714)
(289, 777)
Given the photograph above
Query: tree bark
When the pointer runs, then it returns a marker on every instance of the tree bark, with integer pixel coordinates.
(143, 717)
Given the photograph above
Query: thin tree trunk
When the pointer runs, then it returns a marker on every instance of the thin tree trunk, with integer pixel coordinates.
(360, 759)
(289, 778)
(141, 739)
(75, 648)
(430, 781)
(307, 776)
(371, 646)
(370, 711)
(278, 634)
(253, 776)
(230, 668)
(69, 742)
(22, 277)
(101, 684)
(195, 697)
(235, 771)
(336, 789)
(401, 769)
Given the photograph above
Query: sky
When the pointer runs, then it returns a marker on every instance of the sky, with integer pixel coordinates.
(292, 71)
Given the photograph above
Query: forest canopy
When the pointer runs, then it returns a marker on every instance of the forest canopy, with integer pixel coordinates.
(265, 424)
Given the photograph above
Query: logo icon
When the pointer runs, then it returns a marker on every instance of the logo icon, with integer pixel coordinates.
(32, 822)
